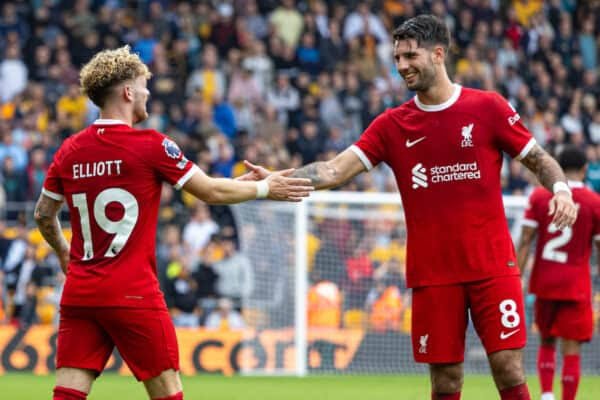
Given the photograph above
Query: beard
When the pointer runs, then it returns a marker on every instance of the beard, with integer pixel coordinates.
(424, 80)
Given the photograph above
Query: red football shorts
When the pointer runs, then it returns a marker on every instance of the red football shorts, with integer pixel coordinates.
(145, 339)
(440, 318)
(564, 319)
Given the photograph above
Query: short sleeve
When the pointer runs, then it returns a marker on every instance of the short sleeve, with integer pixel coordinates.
(53, 185)
(511, 135)
(370, 146)
(169, 162)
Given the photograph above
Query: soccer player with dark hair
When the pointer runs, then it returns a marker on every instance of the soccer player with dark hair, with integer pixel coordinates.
(110, 175)
(560, 278)
(446, 146)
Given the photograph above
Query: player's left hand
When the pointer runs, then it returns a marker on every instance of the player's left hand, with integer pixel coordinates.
(563, 209)
(256, 172)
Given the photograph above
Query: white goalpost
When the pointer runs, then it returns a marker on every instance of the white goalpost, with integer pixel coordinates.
(329, 294)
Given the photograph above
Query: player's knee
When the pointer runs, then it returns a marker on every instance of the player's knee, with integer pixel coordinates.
(570, 347)
(164, 385)
(75, 378)
(446, 378)
(507, 367)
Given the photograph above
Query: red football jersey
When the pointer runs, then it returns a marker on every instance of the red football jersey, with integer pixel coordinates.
(446, 159)
(110, 175)
(562, 258)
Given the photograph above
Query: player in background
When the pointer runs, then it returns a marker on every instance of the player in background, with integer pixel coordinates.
(560, 278)
(110, 175)
(445, 147)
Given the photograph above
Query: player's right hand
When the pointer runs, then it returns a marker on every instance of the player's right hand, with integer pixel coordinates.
(284, 188)
(563, 210)
(255, 172)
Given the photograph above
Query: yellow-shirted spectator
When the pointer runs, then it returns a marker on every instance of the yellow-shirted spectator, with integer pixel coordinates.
(72, 108)
(313, 245)
(525, 9)
(288, 22)
(396, 249)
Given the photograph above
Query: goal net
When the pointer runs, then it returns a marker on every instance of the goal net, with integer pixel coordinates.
(329, 293)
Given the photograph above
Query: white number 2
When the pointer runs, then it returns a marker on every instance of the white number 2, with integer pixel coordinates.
(121, 229)
(510, 316)
(550, 251)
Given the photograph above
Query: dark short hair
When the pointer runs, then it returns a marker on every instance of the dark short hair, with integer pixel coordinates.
(572, 158)
(426, 29)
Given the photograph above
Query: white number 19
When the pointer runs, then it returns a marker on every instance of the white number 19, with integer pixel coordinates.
(121, 228)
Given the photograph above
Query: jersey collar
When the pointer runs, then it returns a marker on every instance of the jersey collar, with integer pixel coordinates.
(101, 121)
(575, 184)
(442, 106)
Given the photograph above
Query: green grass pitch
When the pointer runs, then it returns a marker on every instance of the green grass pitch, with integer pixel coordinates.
(209, 387)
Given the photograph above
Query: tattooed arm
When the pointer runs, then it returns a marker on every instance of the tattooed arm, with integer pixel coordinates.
(332, 173)
(46, 218)
(548, 172)
(545, 168)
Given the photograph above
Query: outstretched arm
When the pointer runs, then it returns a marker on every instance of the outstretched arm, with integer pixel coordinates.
(276, 186)
(46, 218)
(527, 235)
(332, 173)
(552, 177)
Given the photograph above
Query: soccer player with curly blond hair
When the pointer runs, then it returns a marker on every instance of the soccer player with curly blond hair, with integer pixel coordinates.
(110, 175)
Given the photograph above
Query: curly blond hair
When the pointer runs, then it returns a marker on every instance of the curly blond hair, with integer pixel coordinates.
(109, 68)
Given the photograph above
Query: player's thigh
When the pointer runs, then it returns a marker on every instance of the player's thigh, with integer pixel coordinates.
(439, 322)
(166, 384)
(574, 321)
(145, 338)
(82, 343)
(497, 312)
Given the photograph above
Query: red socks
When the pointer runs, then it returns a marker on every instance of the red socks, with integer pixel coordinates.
(519, 392)
(63, 393)
(444, 396)
(176, 396)
(546, 365)
(570, 376)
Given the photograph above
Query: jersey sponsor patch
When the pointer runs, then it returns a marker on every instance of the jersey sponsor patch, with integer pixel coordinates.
(171, 148)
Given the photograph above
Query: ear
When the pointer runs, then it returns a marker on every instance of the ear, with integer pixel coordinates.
(128, 92)
(439, 54)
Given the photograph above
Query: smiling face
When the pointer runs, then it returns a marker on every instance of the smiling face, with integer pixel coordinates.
(417, 65)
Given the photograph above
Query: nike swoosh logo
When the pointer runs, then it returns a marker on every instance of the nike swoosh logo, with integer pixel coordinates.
(411, 144)
(506, 335)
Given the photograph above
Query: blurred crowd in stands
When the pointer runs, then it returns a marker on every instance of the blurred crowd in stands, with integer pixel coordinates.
(280, 83)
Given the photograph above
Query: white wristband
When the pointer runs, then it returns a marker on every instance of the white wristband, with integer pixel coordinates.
(560, 187)
(262, 189)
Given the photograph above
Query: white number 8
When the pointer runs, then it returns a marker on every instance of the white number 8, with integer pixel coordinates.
(510, 316)
(121, 228)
